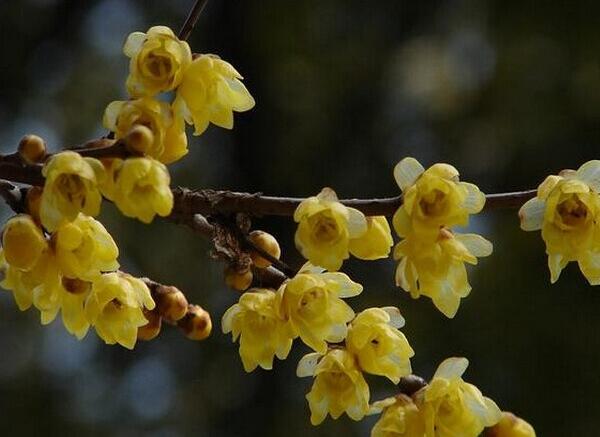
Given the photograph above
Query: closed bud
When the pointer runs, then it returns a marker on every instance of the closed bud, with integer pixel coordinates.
(171, 303)
(139, 139)
(238, 280)
(150, 330)
(196, 324)
(266, 242)
(23, 242)
(32, 149)
(33, 200)
(510, 426)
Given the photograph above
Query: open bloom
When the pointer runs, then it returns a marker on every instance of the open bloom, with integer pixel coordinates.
(453, 407)
(400, 418)
(312, 304)
(379, 347)
(258, 324)
(325, 228)
(437, 269)
(140, 188)
(84, 249)
(169, 142)
(211, 90)
(115, 307)
(433, 198)
(23, 242)
(376, 242)
(158, 61)
(71, 187)
(22, 283)
(511, 426)
(339, 386)
(567, 209)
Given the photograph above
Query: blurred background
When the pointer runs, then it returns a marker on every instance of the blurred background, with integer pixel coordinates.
(507, 91)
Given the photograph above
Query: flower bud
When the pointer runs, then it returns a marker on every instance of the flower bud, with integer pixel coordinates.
(32, 149)
(266, 242)
(23, 242)
(150, 330)
(238, 280)
(171, 303)
(139, 139)
(196, 324)
(33, 200)
(510, 426)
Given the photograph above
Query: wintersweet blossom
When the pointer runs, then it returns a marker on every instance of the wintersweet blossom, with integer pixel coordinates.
(339, 385)
(158, 61)
(257, 322)
(325, 228)
(433, 198)
(71, 187)
(400, 418)
(312, 304)
(380, 348)
(209, 93)
(115, 307)
(84, 249)
(375, 243)
(23, 242)
(567, 210)
(511, 426)
(452, 407)
(169, 142)
(140, 188)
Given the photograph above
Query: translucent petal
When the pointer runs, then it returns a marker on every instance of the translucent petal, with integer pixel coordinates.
(531, 214)
(133, 44)
(407, 171)
(476, 244)
(475, 199)
(357, 223)
(590, 174)
(452, 368)
(396, 319)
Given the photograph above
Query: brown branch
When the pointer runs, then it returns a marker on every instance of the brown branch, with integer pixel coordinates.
(191, 19)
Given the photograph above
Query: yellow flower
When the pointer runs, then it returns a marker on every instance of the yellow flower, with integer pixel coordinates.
(115, 307)
(437, 269)
(256, 321)
(567, 209)
(23, 242)
(400, 418)
(211, 90)
(84, 249)
(140, 188)
(375, 243)
(169, 143)
(452, 407)
(380, 348)
(339, 386)
(311, 303)
(158, 61)
(21, 283)
(325, 228)
(511, 426)
(71, 187)
(433, 198)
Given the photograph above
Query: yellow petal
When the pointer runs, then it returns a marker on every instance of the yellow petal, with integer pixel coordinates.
(407, 171)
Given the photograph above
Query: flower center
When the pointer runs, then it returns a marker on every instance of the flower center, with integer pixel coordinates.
(433, 203)
(573, 212)
(72, 187)
(158, 66)
(326, 229)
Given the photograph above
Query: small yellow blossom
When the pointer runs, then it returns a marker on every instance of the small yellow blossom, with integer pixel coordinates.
(209, 93)
(140, 188)
(169, 142)
(380, 348)
(437, 269)
(433, 198)
(567, 210)
(451, 407)
(339, 386)
(84, 249)
(400, 418)
(115, 307)
(375, 243)
(326, 227)
(23, 242)
(511, 426)
(71, 187)
(158, 61)
(258, 324)
(21, 283)
(311, 303)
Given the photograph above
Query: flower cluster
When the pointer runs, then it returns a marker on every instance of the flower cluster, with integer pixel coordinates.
(446, 407)
(567, 210)
(328, 232)
(431, 256)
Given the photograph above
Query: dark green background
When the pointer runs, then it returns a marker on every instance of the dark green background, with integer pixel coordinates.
(507, 91)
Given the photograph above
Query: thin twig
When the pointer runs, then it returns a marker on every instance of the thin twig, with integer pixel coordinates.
(191, 19)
